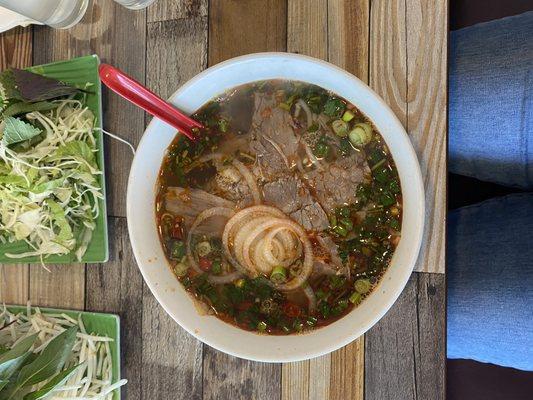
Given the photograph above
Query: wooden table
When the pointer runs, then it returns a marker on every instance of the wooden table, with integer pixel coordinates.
(398, 46)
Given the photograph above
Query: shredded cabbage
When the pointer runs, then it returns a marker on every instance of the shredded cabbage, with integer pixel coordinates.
(49, 189)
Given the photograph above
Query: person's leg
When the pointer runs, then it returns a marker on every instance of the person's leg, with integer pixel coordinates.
(491, 101)
(490, 282)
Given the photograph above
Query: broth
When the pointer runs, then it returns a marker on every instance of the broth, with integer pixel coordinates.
(286, 211)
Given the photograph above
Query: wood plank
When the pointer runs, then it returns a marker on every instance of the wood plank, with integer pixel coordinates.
(16, 48)
(15, 51)
(240, 27)
(172, 359)
(307, 27)
(427, 34)
(388, 74)
(61, 286)
(165, 10)
(14, 283)
(117, 287)
(348, 31)
(228, 377)
(347, 375)
(118, 36)
(405, 351)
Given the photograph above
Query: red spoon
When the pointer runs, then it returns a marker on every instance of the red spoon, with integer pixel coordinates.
(131, 90)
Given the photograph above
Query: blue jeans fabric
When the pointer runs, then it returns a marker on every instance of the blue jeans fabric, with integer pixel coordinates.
(491, 101)
(490, 245)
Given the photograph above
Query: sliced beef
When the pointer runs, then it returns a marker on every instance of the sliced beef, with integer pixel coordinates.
(270, 162)
(274, 141)
(336, 183)
(188, 203)
(291, 196)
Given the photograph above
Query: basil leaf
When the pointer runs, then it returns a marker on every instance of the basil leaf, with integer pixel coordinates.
(27, 86)
(13, 359)
(49, 362)
(53, 384)
(24, 108)
(16, 130)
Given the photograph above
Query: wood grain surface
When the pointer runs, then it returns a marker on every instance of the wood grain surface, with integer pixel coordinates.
(397, 46)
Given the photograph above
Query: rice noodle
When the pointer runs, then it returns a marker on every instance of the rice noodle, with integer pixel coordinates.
(311, 156)
(310, 294)
(308, 112)
(250, 180)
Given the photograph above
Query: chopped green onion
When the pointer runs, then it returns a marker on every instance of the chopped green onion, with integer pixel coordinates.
(311, 321)
(177, 250)
(298, 326)
(361, 134)
(386, 199)
(355, 298)
(344, 211)
(362, 286)
(278, 275)
(321, 150)
(261, 326)
(340, 230)
(284, 106)
(348, 116)
(347, 223)
(181, 269)
(216, 267)
(203, 248)
(394, 224)
(313, 128)
(379, 164)
(336, 281)
(394, 186)
(340, 127)
(223, 125)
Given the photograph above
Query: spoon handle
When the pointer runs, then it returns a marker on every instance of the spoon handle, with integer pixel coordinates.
(139, 95)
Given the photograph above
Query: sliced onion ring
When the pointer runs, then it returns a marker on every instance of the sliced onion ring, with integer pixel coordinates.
(250, 180)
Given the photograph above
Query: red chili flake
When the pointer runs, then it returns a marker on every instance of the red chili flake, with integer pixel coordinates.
(177, 229)
(291, 310)
(205, 263)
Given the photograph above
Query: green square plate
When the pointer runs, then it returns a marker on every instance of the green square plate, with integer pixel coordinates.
(97, 323)
(77, 71)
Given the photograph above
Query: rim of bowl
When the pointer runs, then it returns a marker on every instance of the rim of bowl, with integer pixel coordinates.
(385, 301)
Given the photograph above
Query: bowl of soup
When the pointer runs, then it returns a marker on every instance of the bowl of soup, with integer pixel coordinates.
(293, 222)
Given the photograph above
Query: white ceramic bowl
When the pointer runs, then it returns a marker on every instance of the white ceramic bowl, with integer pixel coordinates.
(148, 250)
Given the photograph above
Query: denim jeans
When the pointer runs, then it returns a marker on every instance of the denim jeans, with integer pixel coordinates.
(490, 245)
